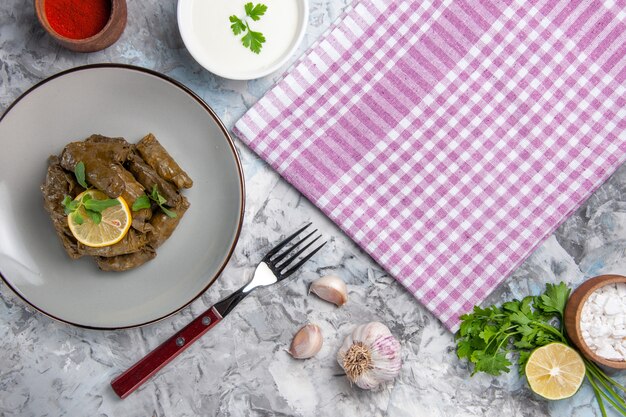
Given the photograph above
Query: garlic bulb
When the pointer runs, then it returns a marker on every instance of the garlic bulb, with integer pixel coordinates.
(330, 288)
(307, 342)
(370, 356)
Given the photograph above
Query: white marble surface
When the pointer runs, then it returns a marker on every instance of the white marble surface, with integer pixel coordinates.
(240, 368)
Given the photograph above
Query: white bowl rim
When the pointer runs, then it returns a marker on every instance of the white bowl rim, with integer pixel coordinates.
(252, 75)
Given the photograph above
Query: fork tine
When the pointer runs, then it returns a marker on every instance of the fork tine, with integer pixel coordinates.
(293, 257)
(278, 247)
(280, 257)
(302, 261)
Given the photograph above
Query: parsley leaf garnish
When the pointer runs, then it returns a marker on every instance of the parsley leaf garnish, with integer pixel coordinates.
(251, 40)
(143, 202)
(255, 12)
(79, 172)
(237, 25)
(93, 208)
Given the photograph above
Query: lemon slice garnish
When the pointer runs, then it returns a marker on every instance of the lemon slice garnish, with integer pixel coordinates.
(112, 228)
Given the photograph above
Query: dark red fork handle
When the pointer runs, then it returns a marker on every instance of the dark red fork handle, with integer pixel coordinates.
(140, 372)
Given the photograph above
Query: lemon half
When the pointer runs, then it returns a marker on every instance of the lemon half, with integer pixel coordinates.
(555, 371)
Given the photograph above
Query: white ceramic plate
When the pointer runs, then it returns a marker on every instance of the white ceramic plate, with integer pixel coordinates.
(115, 100)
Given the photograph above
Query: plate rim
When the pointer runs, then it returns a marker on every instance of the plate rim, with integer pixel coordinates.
(230, 142)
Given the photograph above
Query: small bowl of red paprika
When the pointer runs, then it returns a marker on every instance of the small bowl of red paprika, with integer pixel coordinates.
(83, 25)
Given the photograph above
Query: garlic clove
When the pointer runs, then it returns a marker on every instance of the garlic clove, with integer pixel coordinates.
(330, 288)
(307, 342)
(370, 356)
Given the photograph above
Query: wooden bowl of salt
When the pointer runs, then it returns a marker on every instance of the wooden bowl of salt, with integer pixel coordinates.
(573, 318)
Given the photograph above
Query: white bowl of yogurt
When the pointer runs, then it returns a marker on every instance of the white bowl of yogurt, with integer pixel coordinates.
(207, 31)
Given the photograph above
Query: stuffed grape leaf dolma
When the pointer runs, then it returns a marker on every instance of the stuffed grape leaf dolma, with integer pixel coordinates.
(132, 191)
(160, 160)
(163, 226)
(131, 243)
(125, 262)
(116, 168)
(115, 149)
(57, 185)
(97, 171)
(102, 147)
(99, 154)
(148, 177)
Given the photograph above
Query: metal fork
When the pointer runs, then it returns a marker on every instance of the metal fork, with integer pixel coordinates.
(274, 267)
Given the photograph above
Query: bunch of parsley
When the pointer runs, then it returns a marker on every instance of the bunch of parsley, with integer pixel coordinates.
(491, 337)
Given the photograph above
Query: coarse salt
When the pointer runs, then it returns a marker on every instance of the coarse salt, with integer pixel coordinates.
(603, 322)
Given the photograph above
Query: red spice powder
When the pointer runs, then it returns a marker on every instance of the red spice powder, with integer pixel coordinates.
(77, 19)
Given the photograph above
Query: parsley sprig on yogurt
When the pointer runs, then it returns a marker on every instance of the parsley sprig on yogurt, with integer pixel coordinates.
(252, 40)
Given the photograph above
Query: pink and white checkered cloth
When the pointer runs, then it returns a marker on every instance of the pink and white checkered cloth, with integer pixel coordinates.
(449, 138)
